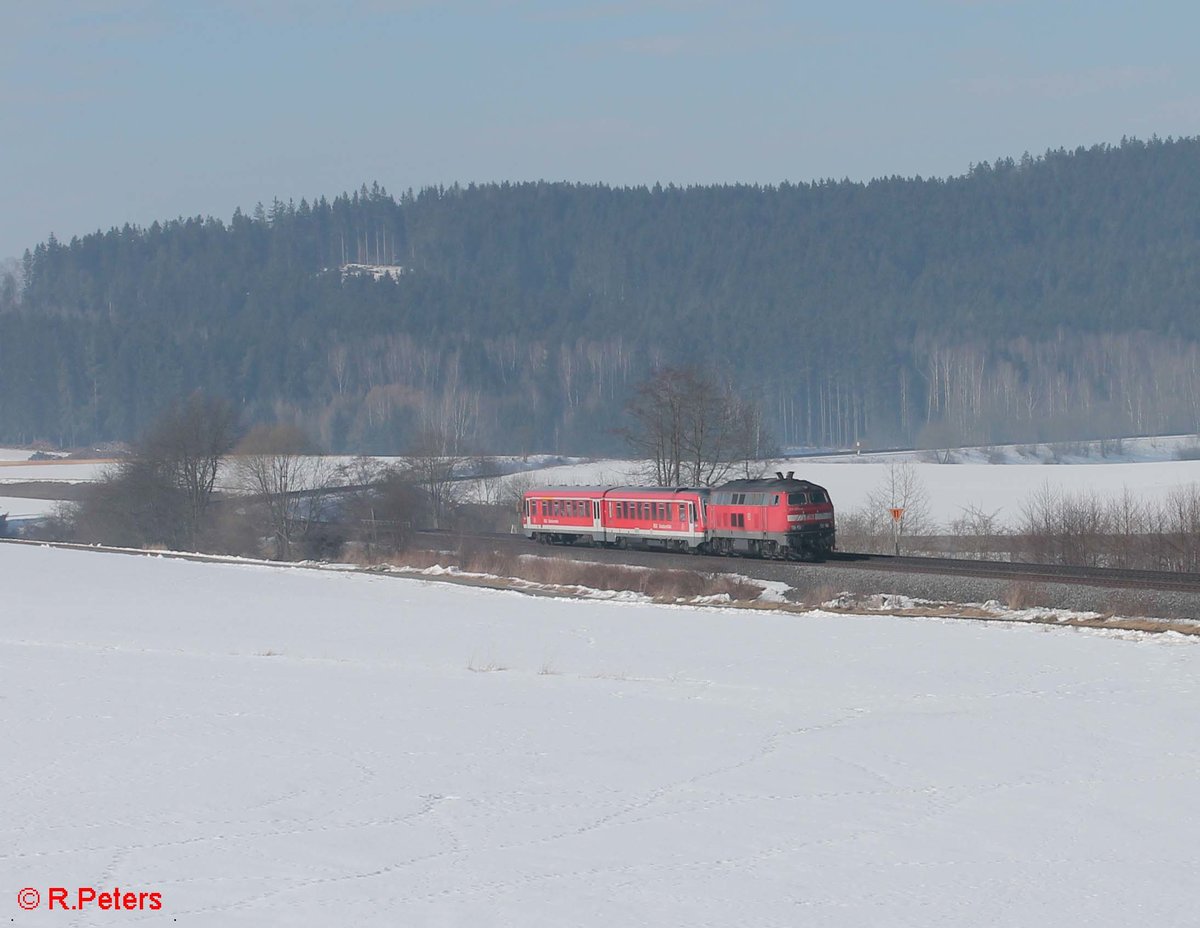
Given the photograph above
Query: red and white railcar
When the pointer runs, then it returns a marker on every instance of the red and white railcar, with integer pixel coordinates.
(617, 516)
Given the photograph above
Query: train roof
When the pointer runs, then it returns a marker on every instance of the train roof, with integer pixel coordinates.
(609, 489)
(779, 483)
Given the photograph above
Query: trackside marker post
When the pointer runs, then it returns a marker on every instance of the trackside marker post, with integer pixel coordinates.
(897, 514)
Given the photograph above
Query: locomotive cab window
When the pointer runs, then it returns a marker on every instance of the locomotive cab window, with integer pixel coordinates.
(819, 497)
(797, 499)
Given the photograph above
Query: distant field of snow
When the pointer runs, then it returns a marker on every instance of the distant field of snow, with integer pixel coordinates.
(1110, 451)
(1003, 489)
(278, 746)
(17, 507)
(951, 487)
(54, 471)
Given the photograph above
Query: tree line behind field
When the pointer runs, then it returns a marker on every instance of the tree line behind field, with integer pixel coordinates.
(1046, 298)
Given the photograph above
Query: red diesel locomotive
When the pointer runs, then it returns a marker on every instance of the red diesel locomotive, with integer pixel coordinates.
(778, 517)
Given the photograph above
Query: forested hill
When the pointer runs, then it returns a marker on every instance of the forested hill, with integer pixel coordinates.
(1047, 297)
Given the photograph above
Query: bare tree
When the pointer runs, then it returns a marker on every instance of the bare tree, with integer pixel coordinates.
(276, 464)
(977, 531)
(397, 507)
(902, 489)
(433, 466)
(489, 480)
(188, 444)
(381, 505)
(692, 429)
(162, 493)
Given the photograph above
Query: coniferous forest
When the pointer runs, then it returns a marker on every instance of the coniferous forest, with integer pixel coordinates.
(1054, 297)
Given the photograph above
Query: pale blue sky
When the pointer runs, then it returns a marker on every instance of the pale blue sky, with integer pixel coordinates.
(131, 110)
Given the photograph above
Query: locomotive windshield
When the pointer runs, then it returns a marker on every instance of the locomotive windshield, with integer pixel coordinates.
(801, 499)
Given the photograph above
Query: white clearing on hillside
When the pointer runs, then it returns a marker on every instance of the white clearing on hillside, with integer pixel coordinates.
(269, 746)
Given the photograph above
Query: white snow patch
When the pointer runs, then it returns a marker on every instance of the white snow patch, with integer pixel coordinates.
(270, 746)
(774, 591)
(61, 471)
(18, 507)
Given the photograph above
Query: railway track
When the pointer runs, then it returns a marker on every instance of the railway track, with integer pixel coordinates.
(1098, 577)
(1104, 577)
(1035, 573)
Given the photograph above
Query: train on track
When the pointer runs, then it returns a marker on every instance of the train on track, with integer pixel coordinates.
(779, 517)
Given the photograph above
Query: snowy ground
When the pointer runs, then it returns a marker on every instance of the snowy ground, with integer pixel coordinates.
(273, 746)
(18, 507)
(54, 471)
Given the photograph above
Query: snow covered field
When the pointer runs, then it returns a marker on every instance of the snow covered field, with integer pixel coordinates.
(999, 488)
(269, 746)
(17, 507)
(55, 471)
